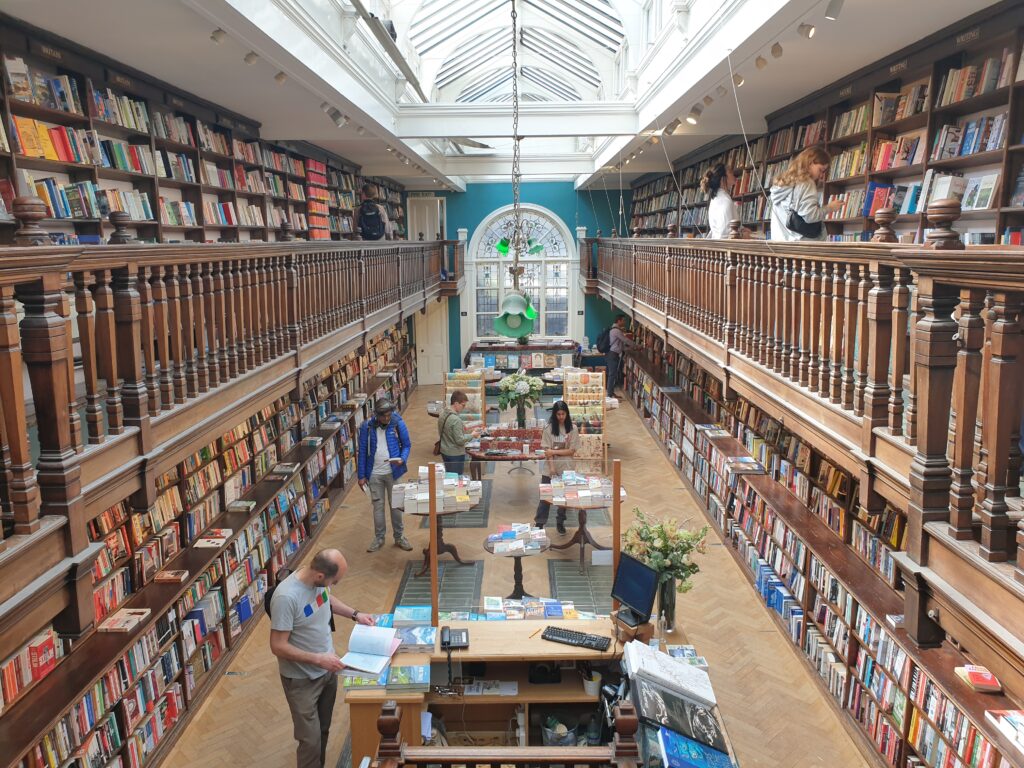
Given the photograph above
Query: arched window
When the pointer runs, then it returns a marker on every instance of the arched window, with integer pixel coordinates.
(548, 267)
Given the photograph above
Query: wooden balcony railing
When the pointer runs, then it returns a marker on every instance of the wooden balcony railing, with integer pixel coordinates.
(103, 344)
(622, 752)
(907, 360)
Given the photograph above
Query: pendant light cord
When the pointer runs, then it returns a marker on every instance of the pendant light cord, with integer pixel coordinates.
(517, 220)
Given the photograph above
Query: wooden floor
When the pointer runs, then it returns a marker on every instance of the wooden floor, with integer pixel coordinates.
(775, 713)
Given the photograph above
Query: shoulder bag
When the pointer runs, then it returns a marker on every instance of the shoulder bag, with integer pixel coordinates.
(437, 445)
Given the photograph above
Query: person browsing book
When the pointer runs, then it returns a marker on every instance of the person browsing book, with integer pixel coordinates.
(559, 440)
(383, 451)
(452, 432)
(618, 343)
(797, 190)
(718, 184)
(300, 638)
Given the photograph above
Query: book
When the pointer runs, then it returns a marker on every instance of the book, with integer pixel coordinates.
(1010, 723)
(661, 707)
(171, 577)
(660, 668)
(979, 678)
(241, 505)
(358, 681)
(409, 677)
(124, 620)
(411, 615)
(677, 751)
(370, 648)
(417, 638)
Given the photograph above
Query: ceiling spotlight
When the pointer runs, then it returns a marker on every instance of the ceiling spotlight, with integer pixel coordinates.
(671, 127)
(738, 80)
(655, 140)
(761, 62)
(835, 7)
(807, 30)
(708, 101)
(324, 106)
(389, 149)
(339, 119)
(251, 57)
(777, 51)
(721, 91)
(280, 77)
(640, 151)
(628, 159)
(694, 115)
(218, 35)
(360, 130)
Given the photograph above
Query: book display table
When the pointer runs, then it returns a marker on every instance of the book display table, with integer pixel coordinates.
(581, 504)
(518, 591)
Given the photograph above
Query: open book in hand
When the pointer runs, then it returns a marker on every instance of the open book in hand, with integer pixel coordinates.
(370, 648)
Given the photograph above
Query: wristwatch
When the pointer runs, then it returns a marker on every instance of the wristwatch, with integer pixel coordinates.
(355, 615)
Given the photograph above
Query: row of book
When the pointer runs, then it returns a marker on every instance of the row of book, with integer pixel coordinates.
(854, 120)
(850, 162)
(985, 134)
(910, 100)
(959, 84)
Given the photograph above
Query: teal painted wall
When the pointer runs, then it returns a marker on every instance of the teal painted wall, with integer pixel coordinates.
(599, 315)
(593, 210)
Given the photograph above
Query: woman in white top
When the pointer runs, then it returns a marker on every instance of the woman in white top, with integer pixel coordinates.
(798, 188)
(717, 184)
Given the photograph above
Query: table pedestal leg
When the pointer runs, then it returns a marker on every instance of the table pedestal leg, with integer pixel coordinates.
(581, 537)
(442, 547)
(520, 468)
(518, 592)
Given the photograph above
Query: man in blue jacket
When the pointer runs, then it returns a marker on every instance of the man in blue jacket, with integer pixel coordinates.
(383, 451)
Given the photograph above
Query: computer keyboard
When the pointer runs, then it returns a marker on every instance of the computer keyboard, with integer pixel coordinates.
(579, 639)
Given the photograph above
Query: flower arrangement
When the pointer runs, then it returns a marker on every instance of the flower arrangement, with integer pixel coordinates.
(665, 546)
(519, 389)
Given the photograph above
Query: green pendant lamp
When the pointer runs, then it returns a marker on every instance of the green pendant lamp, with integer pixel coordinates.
(517, 315)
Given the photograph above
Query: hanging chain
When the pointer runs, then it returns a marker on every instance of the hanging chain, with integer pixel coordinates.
(517, 220)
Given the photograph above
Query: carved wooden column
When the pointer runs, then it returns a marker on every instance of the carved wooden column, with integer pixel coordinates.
(839, 298)
(804, 323)
(106, 350)
(388, 726)
(212, 321)
(74, 420)
(198, 288)
(884, 217)
(863, 340)
(174, 324)
(1001, 416)
(898, 361)
(876, 391)
(233, 321)
(292, 303)
(779, 283)
(253, 350)
(220, 325)
(813, 332)
(86, 310)
(22, 488)
(970, 337)
(730, 303)
(850, 321)
(911, 414)
(162, 335)
(764, 355)
(128, 315)
(189, 342)
(149, 339)
(795, 302)
(45, 340)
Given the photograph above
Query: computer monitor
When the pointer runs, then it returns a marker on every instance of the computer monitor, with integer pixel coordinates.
(634, 587)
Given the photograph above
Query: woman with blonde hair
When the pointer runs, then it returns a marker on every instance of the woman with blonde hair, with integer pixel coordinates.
(797, 211)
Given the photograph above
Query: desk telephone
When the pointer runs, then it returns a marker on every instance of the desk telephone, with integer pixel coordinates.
(452, 639)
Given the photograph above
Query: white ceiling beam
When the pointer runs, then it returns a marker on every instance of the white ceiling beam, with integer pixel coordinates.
(484, 120)
(501, 165)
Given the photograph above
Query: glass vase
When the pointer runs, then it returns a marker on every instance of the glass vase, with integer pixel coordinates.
(521, 414)
(667, 602)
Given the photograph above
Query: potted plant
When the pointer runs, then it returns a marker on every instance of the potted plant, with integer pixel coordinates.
(520, 391)
(667, 547)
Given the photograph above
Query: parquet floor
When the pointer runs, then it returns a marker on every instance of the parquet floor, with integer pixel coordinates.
(776, 715)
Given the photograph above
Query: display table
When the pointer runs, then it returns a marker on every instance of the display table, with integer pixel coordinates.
(582, 536)
(442, 546)
(518, 591)
(508, 647)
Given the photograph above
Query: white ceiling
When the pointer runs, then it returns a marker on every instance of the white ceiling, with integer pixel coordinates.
(182, 53)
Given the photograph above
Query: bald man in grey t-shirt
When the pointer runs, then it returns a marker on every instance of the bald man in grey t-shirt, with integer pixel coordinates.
(300, 637)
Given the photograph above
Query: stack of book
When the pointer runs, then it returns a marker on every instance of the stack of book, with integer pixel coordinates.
(577, 490)
(518, 539)
(418, 637)
(454, 493)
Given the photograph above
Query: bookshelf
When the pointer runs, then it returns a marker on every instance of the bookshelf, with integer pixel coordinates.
(943, 117)
(130, 693)
(90, 137)
(906, 703)
(392, 197)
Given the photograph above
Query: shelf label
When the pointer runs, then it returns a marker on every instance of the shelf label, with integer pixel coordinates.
(124, 82)
(899, 66)
(51, 52)
(846, 92)
(969, 36)
(174, 101)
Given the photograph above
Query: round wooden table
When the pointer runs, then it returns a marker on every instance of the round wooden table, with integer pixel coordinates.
(517, 567)
(442, 546)
(582, 535)
(478, 456)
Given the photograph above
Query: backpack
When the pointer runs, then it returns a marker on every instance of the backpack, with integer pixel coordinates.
(371, 223)
(604, 343)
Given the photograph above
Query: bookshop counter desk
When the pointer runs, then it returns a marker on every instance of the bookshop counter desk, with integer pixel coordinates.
(507, 648)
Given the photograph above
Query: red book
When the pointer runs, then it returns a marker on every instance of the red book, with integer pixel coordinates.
(7, 192)
(42, 654)
(58, 145)
(979, 678)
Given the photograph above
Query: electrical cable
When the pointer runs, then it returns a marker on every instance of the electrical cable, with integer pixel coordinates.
(675, 182)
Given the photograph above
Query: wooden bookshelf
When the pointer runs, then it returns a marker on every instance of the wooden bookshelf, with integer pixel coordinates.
(822, 597)
(184, 169)
(986, 48)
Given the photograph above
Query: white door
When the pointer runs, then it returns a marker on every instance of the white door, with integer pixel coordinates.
(432, 343)
(425, 215)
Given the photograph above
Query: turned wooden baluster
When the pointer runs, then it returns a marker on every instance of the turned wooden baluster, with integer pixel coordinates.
(317, 297)
(835, 382)
(764, 355)
(796, 304)
(198, 290)
(22, 488)
(729, 329)
(86, 311)
(299, 261)
(880, 312)
(217, 270)
(259, 310)
(106, 350)
(741, 303)
(254, 319)
(244, 307)
(980, 444)
(825, 329)
(804, 335)
(898, 361)
(282, 305)
(704, 264)
(789, 297)
(967, 387)
(161, 333)
(721, 289)
(779, 283)
(75, 421)
(232, 318)
(850, 320)
(814, 330)
(935, 353)
(753, 306)
(128, 316)
(863, 340)
(911, 414)
(149, 340)
(174, 323)
(334, 305)
(213, 324)
(1001, 414)
(188, 330)
(292, 302)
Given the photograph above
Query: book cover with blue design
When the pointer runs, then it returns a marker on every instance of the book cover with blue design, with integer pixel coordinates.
(677, 751)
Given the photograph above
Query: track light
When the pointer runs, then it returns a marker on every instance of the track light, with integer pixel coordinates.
(627, 160)
(721, 91)
(655, 140)
(671, 127)
(738, 80)
(835, 7)
(640, 151)
(807, 30)
(280, 77)
(708, 101)
(339, 119)
(777, 51)
(324, 106)
(360, 130)
(694, 115)
(218, 35)
(251, 58)
(760, 62)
